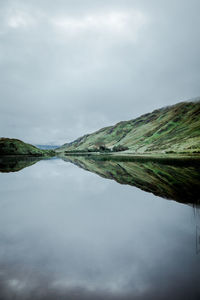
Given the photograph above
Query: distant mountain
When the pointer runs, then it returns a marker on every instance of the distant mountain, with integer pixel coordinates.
(47, 147)
(17, 147)
(172, 129)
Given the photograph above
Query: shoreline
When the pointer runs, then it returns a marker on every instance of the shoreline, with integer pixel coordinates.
(159, 158)
(135, 155)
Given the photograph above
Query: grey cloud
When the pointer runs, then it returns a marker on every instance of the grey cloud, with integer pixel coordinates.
(57, 84)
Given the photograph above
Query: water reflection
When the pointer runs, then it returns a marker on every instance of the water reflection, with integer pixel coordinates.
(178, 180)
(16, 163)
(69, 234)
(197, 218)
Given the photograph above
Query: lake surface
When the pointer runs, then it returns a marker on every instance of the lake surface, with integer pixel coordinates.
(67, 233)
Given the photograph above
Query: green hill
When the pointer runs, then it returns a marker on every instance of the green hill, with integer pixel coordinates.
(16, 147)
(172, 129)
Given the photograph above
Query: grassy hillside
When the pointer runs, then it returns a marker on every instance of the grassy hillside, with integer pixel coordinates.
(178, 180)
(170, 129)
(17, 147)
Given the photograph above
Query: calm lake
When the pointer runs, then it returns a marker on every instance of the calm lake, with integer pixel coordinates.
(67, 233)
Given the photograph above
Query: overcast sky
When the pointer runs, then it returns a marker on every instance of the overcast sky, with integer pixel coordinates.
(71, 67)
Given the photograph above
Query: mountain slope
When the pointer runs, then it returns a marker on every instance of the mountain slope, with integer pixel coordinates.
(17, 147)
(174, 128)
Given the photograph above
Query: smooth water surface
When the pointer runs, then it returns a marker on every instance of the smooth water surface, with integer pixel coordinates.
(66, 233)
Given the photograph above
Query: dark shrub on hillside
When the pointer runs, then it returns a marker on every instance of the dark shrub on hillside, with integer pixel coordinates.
(119, 148)
(103, 148)
(93, 150)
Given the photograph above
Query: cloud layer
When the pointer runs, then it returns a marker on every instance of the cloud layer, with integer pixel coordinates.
(70, 67)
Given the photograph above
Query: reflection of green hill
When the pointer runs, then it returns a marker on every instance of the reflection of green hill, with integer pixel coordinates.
(179, 181)
(15, 164)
